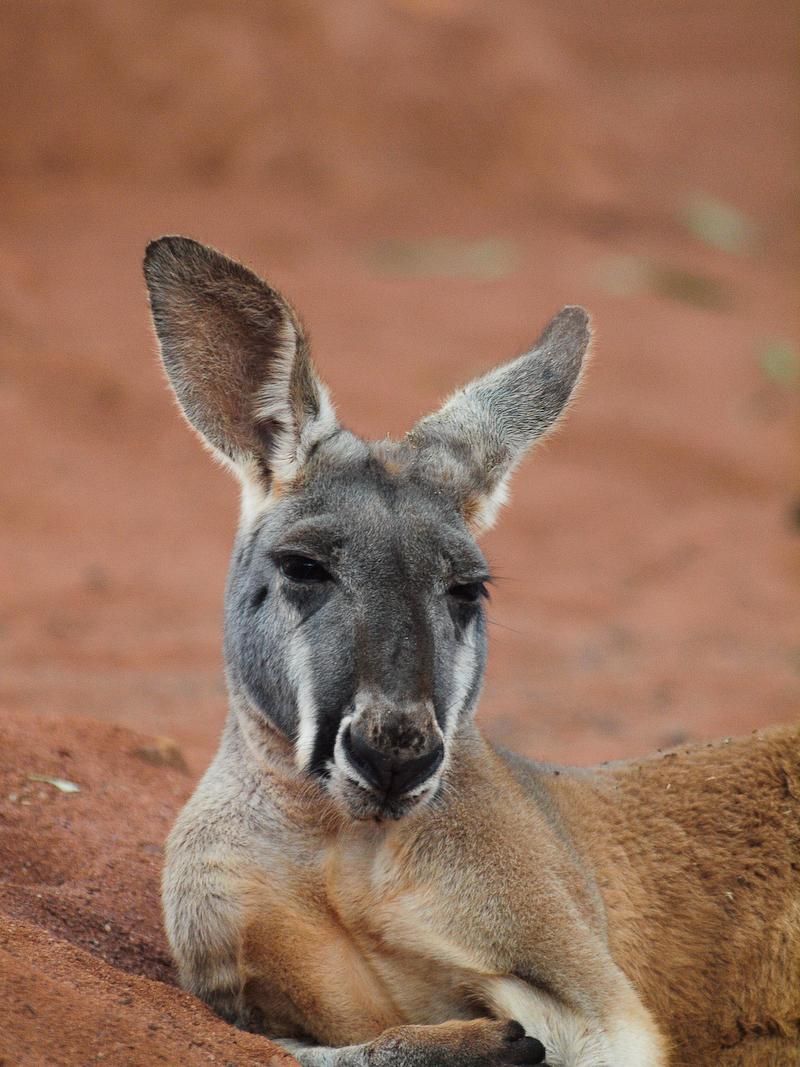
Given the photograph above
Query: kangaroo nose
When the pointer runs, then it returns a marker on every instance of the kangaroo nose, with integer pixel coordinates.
(388, 774)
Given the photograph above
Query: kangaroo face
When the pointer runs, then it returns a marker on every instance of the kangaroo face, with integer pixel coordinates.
(354, 620)
(355, 623)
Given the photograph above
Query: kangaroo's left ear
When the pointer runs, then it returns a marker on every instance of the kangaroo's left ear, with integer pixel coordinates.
(482, 432)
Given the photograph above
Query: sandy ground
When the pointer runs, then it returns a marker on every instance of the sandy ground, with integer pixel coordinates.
(648, 578)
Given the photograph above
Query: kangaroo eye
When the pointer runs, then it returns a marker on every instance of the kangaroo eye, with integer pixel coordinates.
(468, 592)
(302, 569)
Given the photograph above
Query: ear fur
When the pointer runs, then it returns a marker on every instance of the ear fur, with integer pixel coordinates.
(482, 432)
(237, 357)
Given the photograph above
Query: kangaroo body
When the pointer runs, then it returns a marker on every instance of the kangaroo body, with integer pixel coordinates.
(528, 890)
(359, 874)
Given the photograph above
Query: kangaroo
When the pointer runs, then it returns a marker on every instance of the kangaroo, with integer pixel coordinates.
(360, 875)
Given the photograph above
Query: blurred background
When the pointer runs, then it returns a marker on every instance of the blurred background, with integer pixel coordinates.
(429, 180)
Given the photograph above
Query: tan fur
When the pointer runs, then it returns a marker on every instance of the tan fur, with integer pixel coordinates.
(698, 854)
(471, 509)
(364, 927)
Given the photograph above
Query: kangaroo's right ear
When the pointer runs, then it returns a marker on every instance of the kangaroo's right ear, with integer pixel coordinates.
(237, 357)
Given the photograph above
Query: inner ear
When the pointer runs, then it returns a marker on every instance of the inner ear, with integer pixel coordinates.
(474, 442)
(237, 357)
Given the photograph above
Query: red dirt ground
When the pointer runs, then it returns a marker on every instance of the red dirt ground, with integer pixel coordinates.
(648, 567)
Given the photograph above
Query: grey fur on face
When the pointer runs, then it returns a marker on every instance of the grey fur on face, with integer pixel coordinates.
(378, 643)
(354, 617)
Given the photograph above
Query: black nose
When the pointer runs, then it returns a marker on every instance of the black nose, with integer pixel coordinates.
(390, 775)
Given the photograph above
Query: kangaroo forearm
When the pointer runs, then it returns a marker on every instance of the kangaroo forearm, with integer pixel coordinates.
(325, 1056)
(473, 1043)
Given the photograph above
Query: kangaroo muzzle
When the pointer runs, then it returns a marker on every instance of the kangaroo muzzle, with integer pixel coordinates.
(390, 773)
(387, 758)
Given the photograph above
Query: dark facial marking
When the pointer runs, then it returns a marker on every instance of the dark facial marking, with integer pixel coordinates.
(258, 598)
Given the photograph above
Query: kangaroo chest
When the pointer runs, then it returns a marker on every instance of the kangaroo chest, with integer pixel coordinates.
(392, 922)
(379, 943)
(378, 926)
(358, 943)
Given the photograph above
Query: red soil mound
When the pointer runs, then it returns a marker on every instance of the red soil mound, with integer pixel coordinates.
(85, 974)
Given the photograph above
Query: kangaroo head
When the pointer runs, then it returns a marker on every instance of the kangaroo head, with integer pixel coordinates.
(354, 622)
